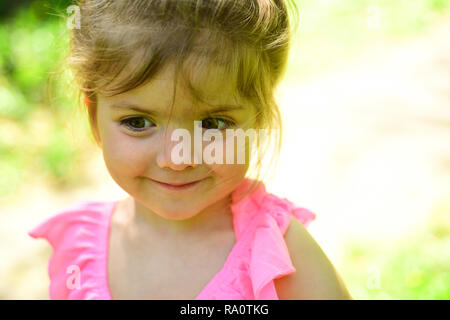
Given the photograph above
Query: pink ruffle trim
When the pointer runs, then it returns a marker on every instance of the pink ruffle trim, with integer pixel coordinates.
(79, 237)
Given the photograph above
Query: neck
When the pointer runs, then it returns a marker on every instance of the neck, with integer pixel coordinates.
(214, 218)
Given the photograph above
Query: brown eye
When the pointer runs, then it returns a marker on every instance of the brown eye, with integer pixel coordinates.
(216, 123)
(136, 123)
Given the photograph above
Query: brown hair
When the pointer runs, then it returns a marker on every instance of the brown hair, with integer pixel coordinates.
(122, 44)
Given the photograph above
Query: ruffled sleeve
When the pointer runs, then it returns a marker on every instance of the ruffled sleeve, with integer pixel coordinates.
(78, 236)
(269, 256)
(269, 259)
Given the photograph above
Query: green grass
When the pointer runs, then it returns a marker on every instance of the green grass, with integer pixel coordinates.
(417, 267)
(32, 44)
(330, 32)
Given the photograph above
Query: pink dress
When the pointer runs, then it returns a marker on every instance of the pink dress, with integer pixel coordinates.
(79, 237)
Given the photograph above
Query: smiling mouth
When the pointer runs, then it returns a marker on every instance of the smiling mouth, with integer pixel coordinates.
(176, 186)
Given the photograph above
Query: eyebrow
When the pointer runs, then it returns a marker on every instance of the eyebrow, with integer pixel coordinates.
(215, 109)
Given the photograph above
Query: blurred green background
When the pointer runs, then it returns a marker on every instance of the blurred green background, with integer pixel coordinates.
(45, 142)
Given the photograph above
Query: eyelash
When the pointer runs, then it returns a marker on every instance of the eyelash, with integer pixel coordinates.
(228, 123)
(126, 123)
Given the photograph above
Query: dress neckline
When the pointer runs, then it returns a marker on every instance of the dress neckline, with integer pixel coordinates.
(215, 278)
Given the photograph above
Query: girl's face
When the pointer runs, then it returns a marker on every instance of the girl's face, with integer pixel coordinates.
(135, 130)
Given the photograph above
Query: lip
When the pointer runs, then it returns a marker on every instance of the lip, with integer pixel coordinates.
(177, 186)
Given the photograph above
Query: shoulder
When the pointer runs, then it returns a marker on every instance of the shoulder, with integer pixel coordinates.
(77, 235)
(65, 223)
(315, 276)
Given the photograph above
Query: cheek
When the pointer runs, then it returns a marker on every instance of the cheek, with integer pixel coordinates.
(125, 156)
(229, 171)
(235, 157)
(227, 177)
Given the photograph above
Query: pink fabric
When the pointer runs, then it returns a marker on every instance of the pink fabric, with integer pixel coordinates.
(79, 237)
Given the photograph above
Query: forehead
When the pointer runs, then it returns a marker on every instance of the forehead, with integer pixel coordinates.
(194, 87)
(207, 84)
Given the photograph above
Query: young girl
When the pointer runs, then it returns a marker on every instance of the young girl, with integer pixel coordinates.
(189, 229)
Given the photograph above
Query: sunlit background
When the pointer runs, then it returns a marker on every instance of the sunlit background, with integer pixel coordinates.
(366, 107)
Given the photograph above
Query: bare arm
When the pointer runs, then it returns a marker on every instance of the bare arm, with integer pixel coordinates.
(315, 278)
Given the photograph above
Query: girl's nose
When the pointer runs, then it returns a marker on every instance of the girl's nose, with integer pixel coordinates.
(169, 154)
